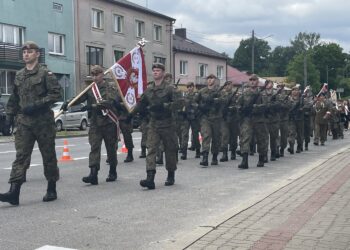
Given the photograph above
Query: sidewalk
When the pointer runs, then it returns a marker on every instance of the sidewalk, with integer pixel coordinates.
(312, 212)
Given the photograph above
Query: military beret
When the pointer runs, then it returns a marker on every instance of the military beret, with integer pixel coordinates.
(190, 84)
(253, 77)
(158, 66)
(96, 69)
(30, 45)
(211, 76)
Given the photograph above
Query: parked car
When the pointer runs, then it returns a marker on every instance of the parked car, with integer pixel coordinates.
(74, 117)
(5, 130)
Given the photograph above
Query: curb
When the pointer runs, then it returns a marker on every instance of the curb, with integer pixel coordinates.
(186, 239)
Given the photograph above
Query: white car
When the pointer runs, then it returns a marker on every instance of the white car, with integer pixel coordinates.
(74, 117)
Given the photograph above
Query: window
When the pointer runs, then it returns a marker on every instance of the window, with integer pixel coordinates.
(94, 55)
(56, 44)
(140, 28)
(219, 71)
(157, 35)
(118, 23)
(11, 34)
(7, 80)
(57, 7)
(97, 19)
(158, 59)
(203, 69)
(183, 67)
(118, 54)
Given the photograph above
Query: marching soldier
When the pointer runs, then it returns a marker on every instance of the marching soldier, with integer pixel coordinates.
(283, 99)
(209, 104)
(159, 99)
(35, 90)
(322, 109)
(307, 108)
(296, 121)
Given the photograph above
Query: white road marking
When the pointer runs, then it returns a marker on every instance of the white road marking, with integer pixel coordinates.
(80, 158)
(48, 247)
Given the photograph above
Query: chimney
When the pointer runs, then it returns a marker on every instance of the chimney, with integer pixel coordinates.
(181, 32)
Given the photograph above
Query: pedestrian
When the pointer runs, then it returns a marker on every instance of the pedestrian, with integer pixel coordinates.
(35, 90)
(159, 100)
(102, 127)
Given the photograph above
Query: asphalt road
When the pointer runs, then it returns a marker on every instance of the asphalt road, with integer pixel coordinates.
(122, 215)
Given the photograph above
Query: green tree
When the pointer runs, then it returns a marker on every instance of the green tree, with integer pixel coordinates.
(330, 61)
(279, 59)
(295, 71)
(305, 41)
(242, 59)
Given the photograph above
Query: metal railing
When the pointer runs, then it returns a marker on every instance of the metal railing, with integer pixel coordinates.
(12, 53)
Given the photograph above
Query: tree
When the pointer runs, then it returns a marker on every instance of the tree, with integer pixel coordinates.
(329, 60)
(295, 71)
(279, 59)
(305, 41)
(242, 59)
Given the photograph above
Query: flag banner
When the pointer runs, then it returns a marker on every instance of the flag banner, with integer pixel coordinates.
(131, 77)
(324, 89)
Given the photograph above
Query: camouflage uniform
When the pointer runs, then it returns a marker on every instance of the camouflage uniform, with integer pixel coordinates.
(307, 108)
(321, 121)
(335, 122)
(209, 104)
(296, 124)
(40, 88)
(283, 99)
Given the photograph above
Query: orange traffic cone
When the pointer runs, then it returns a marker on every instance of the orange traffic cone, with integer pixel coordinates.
(124, 149)
(65, 155)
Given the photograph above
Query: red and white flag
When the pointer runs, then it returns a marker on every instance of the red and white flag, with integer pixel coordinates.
(131, 76)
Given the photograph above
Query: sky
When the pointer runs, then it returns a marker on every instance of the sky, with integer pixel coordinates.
(222, 24)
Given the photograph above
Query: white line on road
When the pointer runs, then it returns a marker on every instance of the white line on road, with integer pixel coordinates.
(48, 247)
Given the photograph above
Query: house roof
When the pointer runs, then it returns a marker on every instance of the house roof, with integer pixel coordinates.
(236, 76)
(140, 8)
(188, 46)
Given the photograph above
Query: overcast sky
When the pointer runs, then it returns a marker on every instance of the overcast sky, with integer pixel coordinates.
(221, 24)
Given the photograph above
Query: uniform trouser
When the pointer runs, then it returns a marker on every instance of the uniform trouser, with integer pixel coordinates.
(247, 127)
(320, 132)
(283, 133)
(273, 132)
(25, 138)
(296, 132)
(127, 129)
(178, 126)
(144, 129)
(229, 134)
(169, 138)
(194, 125)
(210, 131)
(307, 129)
(107, 133)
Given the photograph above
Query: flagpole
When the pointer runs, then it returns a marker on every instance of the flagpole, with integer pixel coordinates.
(75, 99)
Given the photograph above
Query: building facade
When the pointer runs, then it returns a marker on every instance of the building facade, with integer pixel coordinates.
(50, 24)
(106, 30)
(194, 62)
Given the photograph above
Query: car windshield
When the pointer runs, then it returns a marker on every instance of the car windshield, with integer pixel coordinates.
(56, 106)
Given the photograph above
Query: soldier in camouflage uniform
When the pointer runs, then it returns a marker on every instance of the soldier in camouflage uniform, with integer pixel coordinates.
(307, 108)
(209, 104)
(283, 99)
(102, 128)
(35, 90)
(269, 96)
(335, 122)
(230, 123)
(191, 121)
(159, 100)
(322, 108)
(296, 121)
(252, 111)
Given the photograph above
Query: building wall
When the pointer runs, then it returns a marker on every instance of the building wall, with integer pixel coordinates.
(193, 67)
(39, 18)
(109, 41)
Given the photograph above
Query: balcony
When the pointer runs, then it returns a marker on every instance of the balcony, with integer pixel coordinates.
(11, 56)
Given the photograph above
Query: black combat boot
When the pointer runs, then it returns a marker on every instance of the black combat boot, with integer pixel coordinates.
(306, 146)
(159, 159)
(277, 153)
(291, 148)
(51, 193)
(214, 159)
(261, 160)
(170, 180)
(184, 154)
(129, 157)
(12, 196)
(238, 151)
(149, 181)
(143, 152)
(244, 163)
(204, 161)
(224, 156)
(233, 154)
(198, 153)
(273, 156)
(112, 176)
(92, 177)
(281, 152)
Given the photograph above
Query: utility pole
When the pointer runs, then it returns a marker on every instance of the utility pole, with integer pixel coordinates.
(253, 40)
(305, 71)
